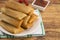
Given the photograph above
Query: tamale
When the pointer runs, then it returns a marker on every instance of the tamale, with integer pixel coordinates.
(13, 13)
(19, 6)
(25, 20)
(32, 18)
(30, 13)
(27, 26)
(10, 28)
(12, 21)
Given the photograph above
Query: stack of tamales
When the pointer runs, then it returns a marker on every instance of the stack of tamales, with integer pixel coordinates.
(17, 17)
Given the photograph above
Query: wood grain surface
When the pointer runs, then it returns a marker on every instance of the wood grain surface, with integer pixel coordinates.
(51, 19)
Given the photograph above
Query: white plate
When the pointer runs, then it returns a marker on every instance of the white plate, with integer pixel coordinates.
(36, 28)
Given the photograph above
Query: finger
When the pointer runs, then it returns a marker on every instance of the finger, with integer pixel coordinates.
(21, 1)
(26, 2)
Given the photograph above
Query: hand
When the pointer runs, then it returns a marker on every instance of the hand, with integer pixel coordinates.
(24, 1)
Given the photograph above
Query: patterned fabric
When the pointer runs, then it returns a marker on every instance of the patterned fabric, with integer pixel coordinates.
(3, 35)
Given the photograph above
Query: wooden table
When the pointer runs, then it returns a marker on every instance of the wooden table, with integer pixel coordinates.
(51, 19)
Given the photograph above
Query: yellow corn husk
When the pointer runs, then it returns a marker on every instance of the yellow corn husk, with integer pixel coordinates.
(10, 28)
(13, 13)
(25, 20)
(16, 23)
(32, 18)
(27, 26)
(19, 6)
